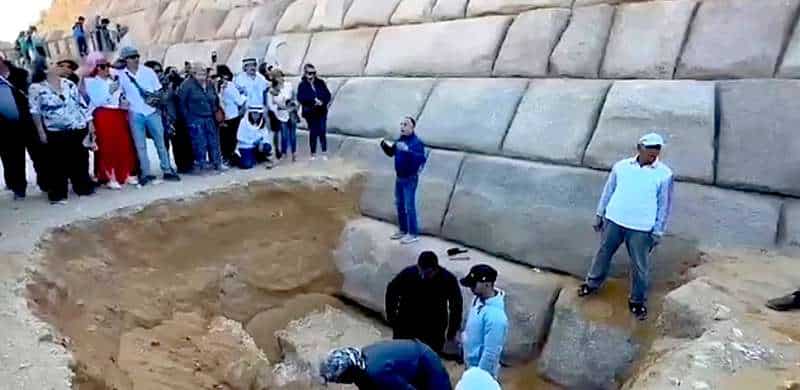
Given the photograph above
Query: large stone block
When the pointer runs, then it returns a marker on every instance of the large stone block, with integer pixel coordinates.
(681, 111)
(369, 261)
(377, 199)
(529, 42)
(757, 124)
(296, 16)
(197, 52)
(288, 51)
(247, 48)
(584, 352)
(229, 26)
(555, 120)
(203, 24)
(176, 34)
(791, 218)
(790, 66)
(646, 39)
(486, 7)
(413, 11)
(187, 8)
(470, 114)
(373, 107)
(341, 53)
(266, 17)
(369, 13)
(730, 39)
(329, 15)
(449, 9)
(438, 49)
(156, 52)
(172, 12)
(581, 48)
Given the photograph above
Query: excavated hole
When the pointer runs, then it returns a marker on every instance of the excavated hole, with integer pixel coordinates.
(134, 296)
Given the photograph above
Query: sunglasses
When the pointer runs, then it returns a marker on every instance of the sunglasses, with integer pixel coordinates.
(311, 73)
(653, 147)
(102, 66)
(134, 57)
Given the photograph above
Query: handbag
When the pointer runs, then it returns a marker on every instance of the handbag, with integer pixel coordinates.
(152, 99)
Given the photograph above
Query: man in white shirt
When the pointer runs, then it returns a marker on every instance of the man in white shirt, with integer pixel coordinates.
(633, 209)
(144, 119)
(252, 84)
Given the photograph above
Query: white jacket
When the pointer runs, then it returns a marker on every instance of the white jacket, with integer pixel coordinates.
(277, 103)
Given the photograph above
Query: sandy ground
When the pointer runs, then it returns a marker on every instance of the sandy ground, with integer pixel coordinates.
(30, 358)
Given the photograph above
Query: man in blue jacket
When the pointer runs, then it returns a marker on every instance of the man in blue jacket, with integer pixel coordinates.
(386, 365)
(487, 323)
(409, 157)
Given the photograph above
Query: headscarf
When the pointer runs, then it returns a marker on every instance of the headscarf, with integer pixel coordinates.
(339, 361)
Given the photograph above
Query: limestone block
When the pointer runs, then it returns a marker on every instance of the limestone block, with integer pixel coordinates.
(296, 16)
(413, 11)
(187, 8)
(198, 52)
(377, 199)
(729, 39)
(757, 124)
(583, 353)
(156, 52)
(288, 51)
(374, 107)
(369, 261)
(791, 236)
(555, 120)
(530, 41)
(140, 26)
(329, 15)
(485, 7)
(232, 22)
(172, 12)
(658, 29)
(265, 18)
(55, 47)
(247, 48)
(341, 53)
(681, 111)
(369, 13)
(438, 48)
(470, 114)
(176, 34)
(203, 24)
(790, 67)
(581, 48)
(449, 9)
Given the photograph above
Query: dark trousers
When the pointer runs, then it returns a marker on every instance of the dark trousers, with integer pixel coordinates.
(433, 338)
(182, 148)
(317, 129)
(68, 162)
(21, 136)
(275, 127)
(227, 139)
(83, 48)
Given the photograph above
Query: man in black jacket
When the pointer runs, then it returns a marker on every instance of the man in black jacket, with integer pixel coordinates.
(423, 302)
(18, 131)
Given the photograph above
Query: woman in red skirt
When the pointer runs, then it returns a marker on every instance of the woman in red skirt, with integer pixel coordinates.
(115, 158)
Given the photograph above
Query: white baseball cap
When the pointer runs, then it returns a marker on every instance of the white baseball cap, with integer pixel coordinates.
(651, 139)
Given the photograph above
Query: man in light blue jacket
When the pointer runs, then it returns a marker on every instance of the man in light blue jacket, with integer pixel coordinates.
(487, 324)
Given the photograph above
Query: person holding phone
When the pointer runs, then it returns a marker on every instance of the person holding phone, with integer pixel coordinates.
(409, 158)
(314, 96)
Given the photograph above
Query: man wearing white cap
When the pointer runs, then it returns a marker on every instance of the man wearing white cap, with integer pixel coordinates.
(252, 84)
(633, 209)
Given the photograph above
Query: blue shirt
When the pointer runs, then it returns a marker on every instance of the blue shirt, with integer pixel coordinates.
(8, 105)
(407, 163)
(78, 32)
(485, 333)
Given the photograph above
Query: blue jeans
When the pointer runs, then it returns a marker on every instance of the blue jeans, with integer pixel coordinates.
(639, 245)
(249, 157)
(205, 142)
(288, 136)
(141, 125)
(405, 194)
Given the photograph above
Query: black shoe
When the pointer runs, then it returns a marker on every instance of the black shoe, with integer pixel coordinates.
(144, 180)
(19, 196)
(639, 310)
(786, 302)
(585, 290)
(171, 177)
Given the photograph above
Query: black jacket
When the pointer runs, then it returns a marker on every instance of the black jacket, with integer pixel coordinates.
(306, 95)
(417, 308)
(402, 365)
(18, 78)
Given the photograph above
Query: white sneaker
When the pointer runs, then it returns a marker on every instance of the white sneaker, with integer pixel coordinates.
(113, 185)
(324, 157)
(397, 235)
(313, 157)
(132, 181)
(408, 239)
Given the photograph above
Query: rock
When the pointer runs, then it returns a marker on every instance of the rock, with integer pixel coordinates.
(377, 197)
(756, 122)
(341, 53)
(586, 352)
(373, 107)
(658, 28)
(329, 14)
(203, 24)
(581, 48)
(369, 13)
(470, 114)
(247, 48)
(681, 111)
(288, 51)
(791, 216)
(171, 12)
(263, 20)
(229, 26)
(197, 52)
(413, 11)
(529, 42)
(691, 310)
(239, 299)
(449, 9)
(729, 40)
(485, 7)
(436, 49)
(156, 52)
(790, 66)
(296, 16)
(369, 261)
(555, 120)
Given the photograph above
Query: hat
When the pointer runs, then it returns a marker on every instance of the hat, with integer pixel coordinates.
(651, 139)
(255, 107)
(73, 64)
(479, 273)
(248, 61)
(127, 52)
(338, 361)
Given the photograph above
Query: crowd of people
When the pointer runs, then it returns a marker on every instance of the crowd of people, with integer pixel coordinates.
(209, 118)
